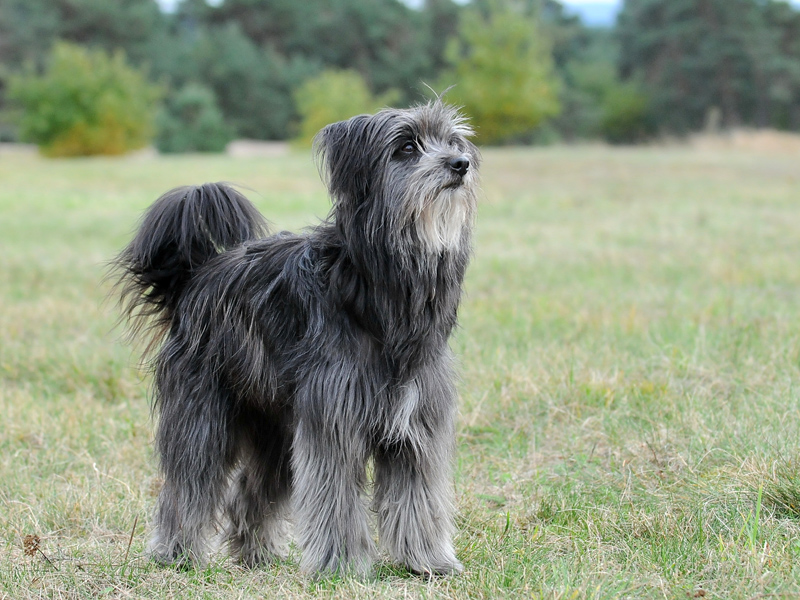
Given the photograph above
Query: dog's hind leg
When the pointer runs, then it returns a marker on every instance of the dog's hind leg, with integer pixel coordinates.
(332, 529)
(258, 499)
(413, 483)
(197, 451)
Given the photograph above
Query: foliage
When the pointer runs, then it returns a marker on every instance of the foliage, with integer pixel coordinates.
(384, 40)
(442, 25)
(626, 115)
(549, 74)
(503, 73)
(596, 105)
(256, 54)
(334, 96)
(252, 84)
(191, 121)
(252, 53)
(585, 64)
(28, 28)
(780, 98)
(737, 56)
(86, 102)
(584, 85)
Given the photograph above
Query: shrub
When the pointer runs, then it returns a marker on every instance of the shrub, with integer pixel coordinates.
(86, 102)
(332, 96)
(191, 121)
(253, 85)
(502, 72)
(627, 117)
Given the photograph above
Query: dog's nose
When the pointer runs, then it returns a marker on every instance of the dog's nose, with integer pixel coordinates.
(459, 164)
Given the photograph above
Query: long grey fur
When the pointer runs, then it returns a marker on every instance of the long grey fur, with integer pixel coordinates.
(285, 363)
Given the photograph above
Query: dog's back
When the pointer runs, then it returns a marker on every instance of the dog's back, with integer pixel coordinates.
(243, 315)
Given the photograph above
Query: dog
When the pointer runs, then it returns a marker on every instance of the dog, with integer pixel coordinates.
(287, 367)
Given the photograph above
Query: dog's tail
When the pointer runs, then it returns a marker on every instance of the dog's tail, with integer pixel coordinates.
(179, 233)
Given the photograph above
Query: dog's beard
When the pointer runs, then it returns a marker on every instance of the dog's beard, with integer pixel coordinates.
(441, 211)
(440, 224)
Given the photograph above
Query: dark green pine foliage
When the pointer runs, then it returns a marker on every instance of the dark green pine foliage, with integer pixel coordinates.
(384, 40)
(29, 28)
(250, 84)
(253, 85)
(584, 61)
(190, 121)
(441, 25)
(699, 57)
(779, 100)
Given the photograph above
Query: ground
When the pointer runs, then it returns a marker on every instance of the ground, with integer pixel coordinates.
(629, 355)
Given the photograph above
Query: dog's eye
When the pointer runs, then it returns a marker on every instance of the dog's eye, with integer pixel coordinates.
(408, 148)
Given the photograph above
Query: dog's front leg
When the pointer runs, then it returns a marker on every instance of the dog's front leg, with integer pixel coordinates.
(413, 482)
(331, 522)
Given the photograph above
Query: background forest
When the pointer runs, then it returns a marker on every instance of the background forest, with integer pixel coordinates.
(526, 71)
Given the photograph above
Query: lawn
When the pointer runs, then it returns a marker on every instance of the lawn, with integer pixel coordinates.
(630, 362)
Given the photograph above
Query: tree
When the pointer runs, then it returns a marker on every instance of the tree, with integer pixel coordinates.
(253, 54)
(626, 116)
(442, 17)
(86, 102)
(253, 85)
(736, 56)
(334, 96)
(28, 28)
(780, 99)
(191, 121)
(585, 65)
(384, 40)
(502, 72)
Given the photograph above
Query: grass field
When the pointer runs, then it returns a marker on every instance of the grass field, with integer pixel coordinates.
(630, 359)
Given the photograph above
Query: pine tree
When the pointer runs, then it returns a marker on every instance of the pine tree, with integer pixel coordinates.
(697, 55)
(29, 28)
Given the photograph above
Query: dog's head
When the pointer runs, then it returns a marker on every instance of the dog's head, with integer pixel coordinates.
(402, 176)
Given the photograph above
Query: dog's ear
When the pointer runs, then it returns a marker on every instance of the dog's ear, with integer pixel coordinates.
(343, 155)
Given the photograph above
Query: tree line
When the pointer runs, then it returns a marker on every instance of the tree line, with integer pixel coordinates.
(526, 71)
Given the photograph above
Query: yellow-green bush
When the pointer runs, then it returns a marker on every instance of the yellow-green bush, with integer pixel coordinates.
(502, 73)
(332, 96)
(86, 102)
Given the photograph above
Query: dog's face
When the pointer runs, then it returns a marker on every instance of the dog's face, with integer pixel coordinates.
(411, 174)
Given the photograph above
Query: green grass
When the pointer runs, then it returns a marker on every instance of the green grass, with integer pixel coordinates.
(630, 359)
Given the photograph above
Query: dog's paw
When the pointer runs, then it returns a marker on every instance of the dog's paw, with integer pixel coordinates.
(440, 568)
(167, 551)
(178, 559)
(360, 568)
(252, 557)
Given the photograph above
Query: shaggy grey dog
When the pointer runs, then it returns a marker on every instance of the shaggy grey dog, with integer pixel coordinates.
(286, 363)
